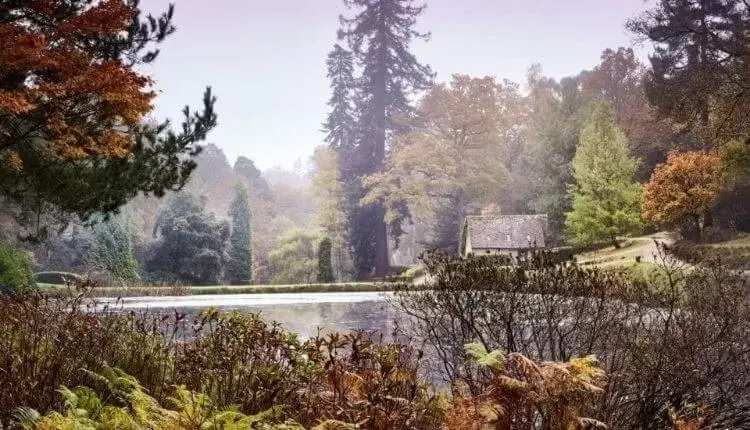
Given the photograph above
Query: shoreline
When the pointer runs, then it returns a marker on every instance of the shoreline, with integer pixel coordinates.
(177, 291)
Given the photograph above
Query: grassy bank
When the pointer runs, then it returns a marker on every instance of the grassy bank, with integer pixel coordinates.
(351, 287)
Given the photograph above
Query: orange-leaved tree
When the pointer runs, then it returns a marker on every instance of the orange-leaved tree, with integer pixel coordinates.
(683, 190)
(73, 104)
(62, 78)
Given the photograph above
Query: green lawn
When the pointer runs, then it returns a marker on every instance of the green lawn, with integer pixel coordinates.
(624, 256)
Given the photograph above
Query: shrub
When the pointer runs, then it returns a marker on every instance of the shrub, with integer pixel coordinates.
(45, 342)
(519, 393)
(229, 358)
(14, 269)
(684, 343)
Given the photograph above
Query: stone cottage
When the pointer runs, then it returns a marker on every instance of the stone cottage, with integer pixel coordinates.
(502, 234)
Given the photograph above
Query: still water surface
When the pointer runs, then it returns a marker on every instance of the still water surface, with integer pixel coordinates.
(303, 313)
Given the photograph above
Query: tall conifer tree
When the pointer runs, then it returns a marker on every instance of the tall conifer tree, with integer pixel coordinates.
(606, 200)
(239, 267)
(379, 35)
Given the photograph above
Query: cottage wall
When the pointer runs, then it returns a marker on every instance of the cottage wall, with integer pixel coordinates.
(468, 250)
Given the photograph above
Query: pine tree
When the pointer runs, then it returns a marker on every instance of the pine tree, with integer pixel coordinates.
(605, 197)
(699, 51)
(239, 266)
(74, 135)
(379, 35)
(325, 267)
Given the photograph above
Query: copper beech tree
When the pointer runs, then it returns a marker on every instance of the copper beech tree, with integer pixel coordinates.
(73, 104)
(683, 190)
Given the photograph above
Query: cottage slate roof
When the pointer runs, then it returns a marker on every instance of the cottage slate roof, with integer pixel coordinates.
(507, 231)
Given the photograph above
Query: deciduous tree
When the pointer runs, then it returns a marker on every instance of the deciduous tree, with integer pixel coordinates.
(294, 259)
(684, 190)
(328, 187)
(73, 103)
(259, 188)
(453, 157)
(558, 112)
(618, 79)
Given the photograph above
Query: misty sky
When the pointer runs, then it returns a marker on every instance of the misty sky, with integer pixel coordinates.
(266, 58)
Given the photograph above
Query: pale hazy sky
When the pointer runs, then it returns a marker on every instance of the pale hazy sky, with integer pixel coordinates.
(265, 59)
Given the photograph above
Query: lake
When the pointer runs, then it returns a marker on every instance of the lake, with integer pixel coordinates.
(302, 313)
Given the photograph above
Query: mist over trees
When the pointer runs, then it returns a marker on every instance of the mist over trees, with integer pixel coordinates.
(405, 157)
(412, 165)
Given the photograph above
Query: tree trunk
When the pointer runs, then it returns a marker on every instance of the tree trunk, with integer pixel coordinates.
(381, 246)
(708, 219)
(380, 106)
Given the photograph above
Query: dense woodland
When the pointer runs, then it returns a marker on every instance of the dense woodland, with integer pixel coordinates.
(620, 149)
(95, 191)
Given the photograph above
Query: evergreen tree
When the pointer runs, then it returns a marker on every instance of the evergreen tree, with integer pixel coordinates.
(446, 227)
(325, 267)
(259, 187)
(379, 35)
(113, 252)
(605, 197)
(90, 153)
(700, 57)
(191, 243)
(557, 115)
(239, 265)
(699, 79)
(341, 122)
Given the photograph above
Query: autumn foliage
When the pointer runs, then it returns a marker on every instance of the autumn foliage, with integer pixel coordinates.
(685, 188)
(518, 391)
(63, 79)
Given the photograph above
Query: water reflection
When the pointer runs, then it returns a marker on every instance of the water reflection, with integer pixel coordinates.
(303, 313)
